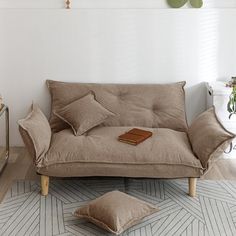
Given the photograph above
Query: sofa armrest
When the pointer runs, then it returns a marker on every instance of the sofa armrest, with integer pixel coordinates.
(208, 137)
(36, 134)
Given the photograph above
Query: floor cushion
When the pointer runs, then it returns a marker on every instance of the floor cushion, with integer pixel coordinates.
(115, 211)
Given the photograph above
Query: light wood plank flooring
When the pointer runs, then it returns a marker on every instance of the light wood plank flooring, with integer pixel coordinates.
(20, 166)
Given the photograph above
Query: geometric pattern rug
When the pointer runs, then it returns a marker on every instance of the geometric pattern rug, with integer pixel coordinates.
(213, 212)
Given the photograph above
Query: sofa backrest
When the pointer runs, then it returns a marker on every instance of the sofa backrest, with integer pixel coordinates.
(143, 105)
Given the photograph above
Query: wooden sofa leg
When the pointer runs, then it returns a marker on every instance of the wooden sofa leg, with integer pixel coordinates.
(44, 185)
(192, 183)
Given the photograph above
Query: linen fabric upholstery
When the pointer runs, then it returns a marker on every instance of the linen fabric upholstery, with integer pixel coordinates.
(143, 105)
(115, 211)
(83, 114)
(37, 132)
(79, 169)
(208, 137)
(100, 146)
(28, 142)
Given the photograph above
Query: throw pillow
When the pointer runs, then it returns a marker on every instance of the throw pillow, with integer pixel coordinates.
(83, 114)
(115, 211)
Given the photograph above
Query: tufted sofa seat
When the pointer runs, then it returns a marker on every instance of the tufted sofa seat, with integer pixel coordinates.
(174, 151)
(101, 154)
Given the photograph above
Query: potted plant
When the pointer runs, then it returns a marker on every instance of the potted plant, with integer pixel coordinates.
(231, 106)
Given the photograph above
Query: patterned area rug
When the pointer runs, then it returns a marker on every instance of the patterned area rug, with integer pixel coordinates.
(212, 212)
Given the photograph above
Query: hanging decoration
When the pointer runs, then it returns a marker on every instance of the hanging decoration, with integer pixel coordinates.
(68, 3)
(196, 3)
(180, 3)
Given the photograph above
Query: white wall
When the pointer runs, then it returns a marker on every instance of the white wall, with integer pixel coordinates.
(114, 45)
(95, 4)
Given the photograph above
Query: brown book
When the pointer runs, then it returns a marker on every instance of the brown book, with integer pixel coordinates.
(135, 136)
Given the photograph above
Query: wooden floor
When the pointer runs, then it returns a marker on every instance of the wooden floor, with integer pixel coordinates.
(20, 166)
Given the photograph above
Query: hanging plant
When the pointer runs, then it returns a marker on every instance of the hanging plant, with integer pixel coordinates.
(180, 3)
(231, 106)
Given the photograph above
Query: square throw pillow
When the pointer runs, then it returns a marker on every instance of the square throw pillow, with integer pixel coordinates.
(83, 114)
(115, 211)
(208, 137)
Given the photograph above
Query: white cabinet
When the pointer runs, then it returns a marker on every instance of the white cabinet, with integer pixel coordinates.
(218, 95)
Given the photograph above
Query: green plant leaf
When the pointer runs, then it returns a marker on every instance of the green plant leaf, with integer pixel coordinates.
(196, 3)
(229, 109)
(231, 105)
(177, 3)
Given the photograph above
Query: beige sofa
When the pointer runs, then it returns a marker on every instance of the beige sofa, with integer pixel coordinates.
(174, 151)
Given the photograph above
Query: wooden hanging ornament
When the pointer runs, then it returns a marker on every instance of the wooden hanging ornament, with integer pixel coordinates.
(68, 3)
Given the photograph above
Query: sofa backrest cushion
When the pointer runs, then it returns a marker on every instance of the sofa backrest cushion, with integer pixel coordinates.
(142, 105)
